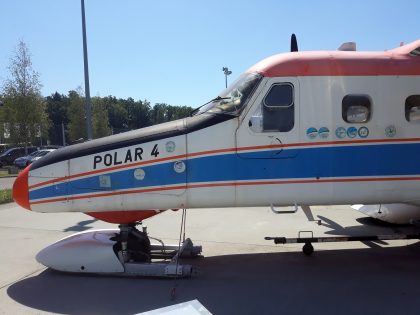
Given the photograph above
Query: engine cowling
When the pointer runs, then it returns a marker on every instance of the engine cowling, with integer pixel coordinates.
(397, 213)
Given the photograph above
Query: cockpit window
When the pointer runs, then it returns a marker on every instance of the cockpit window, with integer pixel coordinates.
(233, 99)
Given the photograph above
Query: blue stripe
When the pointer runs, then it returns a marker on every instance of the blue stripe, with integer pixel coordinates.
(335, 162)
(157, 175)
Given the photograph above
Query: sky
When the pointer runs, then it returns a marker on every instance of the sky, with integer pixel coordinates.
(173, 51)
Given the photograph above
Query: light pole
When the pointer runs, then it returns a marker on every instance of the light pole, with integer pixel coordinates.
(227, 72)
(88, 107)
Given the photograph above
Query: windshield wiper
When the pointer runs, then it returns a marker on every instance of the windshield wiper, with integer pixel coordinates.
(219, 98)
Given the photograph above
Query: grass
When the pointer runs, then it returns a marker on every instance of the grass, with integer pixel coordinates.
(4, 173)
(6, 196)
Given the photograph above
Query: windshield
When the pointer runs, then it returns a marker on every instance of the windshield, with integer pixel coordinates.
(35, 153)
(42, 153)
(233, 99)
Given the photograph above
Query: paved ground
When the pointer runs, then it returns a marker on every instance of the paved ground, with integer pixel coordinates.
(240, 274)
(6, 182)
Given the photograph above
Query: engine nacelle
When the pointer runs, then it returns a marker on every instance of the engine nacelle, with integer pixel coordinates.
(398, 213)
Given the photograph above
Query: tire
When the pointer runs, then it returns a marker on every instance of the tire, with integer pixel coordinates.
(308, 249)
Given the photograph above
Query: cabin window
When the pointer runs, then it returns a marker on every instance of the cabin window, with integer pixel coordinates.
(356, 108)
(412, 108)
(278, 108)
(415, 52)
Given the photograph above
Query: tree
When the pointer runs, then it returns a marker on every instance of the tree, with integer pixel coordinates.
(100, 119)
(117, 113)
(76, 114)
(138, 113)
(24, 106)
(162, 112)
(159, 113)
(57, 105)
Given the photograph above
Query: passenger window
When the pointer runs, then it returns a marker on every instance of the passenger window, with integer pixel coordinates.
(356, 108)
(278, 108)
(412, 108)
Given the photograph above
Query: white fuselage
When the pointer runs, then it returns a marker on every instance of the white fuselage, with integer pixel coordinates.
(231, 163)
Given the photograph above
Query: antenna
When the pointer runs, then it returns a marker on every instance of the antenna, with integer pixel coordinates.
(293, 43)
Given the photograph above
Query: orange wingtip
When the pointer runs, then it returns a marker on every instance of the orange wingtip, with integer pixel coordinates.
(20, 189)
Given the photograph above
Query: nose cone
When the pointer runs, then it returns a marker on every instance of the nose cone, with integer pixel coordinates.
(20, 189)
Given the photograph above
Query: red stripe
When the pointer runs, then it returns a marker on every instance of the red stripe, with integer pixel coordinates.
(113, 168)
(241, 149)
(137, 191)
(227, 184)
(340, 63)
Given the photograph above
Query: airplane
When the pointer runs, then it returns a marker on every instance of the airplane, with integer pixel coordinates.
(298, 128)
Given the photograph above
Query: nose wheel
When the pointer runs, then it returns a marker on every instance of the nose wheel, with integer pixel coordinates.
(308, 249)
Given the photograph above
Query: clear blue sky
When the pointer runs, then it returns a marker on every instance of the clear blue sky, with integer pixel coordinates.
(174, 51)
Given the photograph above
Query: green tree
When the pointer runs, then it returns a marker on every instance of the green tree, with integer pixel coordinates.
(76, 115)
(25, 108)
(100, 119)
(117, 114)
(162, 112)
(182, 111)
(139, 113)
(159, 113)
(57, 105)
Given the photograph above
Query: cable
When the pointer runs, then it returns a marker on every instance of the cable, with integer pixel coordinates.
(181, 237)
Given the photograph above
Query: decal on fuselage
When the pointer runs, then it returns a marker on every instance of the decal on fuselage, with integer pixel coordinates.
(116, 158)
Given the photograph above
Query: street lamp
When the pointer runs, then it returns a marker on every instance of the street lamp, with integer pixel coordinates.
(88, 106)
(227, 72)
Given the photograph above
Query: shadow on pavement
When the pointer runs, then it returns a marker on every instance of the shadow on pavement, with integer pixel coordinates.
(80, 226)
(368, 281)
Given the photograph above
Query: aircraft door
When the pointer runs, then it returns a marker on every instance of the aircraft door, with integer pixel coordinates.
(272, 123)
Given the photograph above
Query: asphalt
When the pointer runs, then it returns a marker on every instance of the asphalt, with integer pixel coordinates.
(241, 273)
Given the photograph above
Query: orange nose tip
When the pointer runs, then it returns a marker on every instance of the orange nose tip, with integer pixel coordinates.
(20, 189)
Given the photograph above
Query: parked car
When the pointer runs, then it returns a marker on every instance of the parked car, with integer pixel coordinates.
(3, 147)
(9, 156)
(24, 161)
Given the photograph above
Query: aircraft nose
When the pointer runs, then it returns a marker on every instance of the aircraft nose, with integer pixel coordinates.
(20, 189)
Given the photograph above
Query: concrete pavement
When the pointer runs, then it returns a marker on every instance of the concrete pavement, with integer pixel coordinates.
(7, 182)
(240, 274)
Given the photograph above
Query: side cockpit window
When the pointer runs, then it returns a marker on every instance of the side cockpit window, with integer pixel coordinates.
(356, 108)
(415, 52)
(278, 108)
(412, 108)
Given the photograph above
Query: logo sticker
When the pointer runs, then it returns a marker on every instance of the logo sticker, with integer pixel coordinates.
(179, 167)
(363, 132)
(312, 133)
(390, 131)
(105, 181)
(170, 146)
(139, 174)
(324, 132)
(340, 132)
(352, 132)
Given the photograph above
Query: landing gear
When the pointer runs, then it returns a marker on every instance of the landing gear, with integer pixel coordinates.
(308, 249)
(132, 245)
(126, 251)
